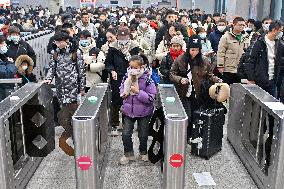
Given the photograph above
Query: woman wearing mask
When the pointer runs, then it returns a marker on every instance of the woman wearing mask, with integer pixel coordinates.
(206, 50)
(25, 66)
(116, 62)
(187, 73)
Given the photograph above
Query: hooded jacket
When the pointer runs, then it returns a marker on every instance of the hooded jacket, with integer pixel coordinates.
(26, 75)
(70, 76)
(95, 66)
(141, 104)
(230, 51)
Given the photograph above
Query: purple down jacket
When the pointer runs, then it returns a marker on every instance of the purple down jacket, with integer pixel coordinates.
(140, 105)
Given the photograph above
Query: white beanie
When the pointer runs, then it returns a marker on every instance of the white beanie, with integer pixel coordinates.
(178, 39)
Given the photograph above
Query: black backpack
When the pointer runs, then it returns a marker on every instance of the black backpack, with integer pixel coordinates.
(243, 61)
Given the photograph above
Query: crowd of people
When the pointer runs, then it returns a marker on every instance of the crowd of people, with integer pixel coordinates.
(135, 49)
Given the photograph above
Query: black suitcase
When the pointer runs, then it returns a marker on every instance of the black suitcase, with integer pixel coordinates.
(207, 132)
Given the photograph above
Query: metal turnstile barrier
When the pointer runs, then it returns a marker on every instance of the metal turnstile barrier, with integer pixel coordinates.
(175, 138)
(255, 130)
(26, 133)
(91, 138)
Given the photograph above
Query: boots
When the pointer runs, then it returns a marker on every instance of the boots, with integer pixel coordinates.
(65, 147)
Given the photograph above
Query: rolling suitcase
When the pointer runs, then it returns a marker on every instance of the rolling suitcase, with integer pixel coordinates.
(207, 132)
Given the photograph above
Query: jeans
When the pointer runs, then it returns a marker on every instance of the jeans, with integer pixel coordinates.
(143, 131)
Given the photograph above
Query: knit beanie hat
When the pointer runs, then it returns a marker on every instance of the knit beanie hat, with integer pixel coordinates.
(194, 42)
(178, 39)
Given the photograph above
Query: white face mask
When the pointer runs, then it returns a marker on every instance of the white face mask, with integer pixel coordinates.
(194, 25)
(202, 35)
(280, 35)
(265, 26)
(248, 29)
(221, 28)
(25, 67)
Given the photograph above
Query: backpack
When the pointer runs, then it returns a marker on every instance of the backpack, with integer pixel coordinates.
(241, 72)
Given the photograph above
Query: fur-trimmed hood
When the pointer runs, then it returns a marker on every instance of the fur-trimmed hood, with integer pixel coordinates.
(20, 60)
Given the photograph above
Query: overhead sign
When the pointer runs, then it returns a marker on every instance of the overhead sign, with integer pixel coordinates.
(84, 163)
(176, 160)
(5, 3)
(87, 3)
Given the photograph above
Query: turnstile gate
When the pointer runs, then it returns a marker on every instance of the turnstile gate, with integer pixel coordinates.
(255, 130)
(26, 133)
(175, 138)
(91, 128)
(91, 138)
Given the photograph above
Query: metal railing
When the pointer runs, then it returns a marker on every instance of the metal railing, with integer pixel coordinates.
(26, 133)
(39, 42)
(255, 130)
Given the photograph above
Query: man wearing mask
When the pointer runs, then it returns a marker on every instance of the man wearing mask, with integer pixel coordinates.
(170, 19)
(216, 35)
(263, 66)
(85, 24)
(68, 69)
(104, 21)
(231, 47)
(265, 28)
(17, 46)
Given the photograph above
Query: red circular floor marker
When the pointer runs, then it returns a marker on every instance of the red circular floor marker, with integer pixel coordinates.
(176, 160)
(84, 162)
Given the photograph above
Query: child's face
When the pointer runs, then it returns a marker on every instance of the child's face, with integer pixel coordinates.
(135, 65)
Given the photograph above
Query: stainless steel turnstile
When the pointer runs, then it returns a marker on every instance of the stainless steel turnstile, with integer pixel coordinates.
(175, 138)
(255, 130)
(91, 131)
(26, 133)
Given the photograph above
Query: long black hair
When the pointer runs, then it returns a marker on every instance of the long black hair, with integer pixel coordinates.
(198, 60)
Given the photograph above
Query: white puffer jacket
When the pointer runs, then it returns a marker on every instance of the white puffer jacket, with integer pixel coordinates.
(93, 76)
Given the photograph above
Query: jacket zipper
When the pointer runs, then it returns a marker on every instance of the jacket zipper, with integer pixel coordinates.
(132, 103)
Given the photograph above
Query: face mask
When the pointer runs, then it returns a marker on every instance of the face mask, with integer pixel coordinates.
(221, 28)
(122, 42)
(84, 42)
(3, 49)
(248, 29)
(194, 25)
(134, 71)
(280, 35)
(14, 39)
(265, 26)
(203, 35)
(25, 67)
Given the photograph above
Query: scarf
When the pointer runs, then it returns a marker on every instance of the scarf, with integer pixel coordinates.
(174, 54)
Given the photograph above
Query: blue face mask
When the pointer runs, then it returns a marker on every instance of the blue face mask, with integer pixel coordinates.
(84, 42)
(14, 39)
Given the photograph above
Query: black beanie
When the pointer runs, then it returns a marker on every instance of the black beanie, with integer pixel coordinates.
(194, 42)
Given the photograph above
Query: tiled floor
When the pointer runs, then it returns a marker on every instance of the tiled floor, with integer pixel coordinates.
(57, 170)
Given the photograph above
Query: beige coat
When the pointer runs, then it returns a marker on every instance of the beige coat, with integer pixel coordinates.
(230, 51)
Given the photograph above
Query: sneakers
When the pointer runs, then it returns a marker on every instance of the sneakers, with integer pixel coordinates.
(144, 158)
(125, 160)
